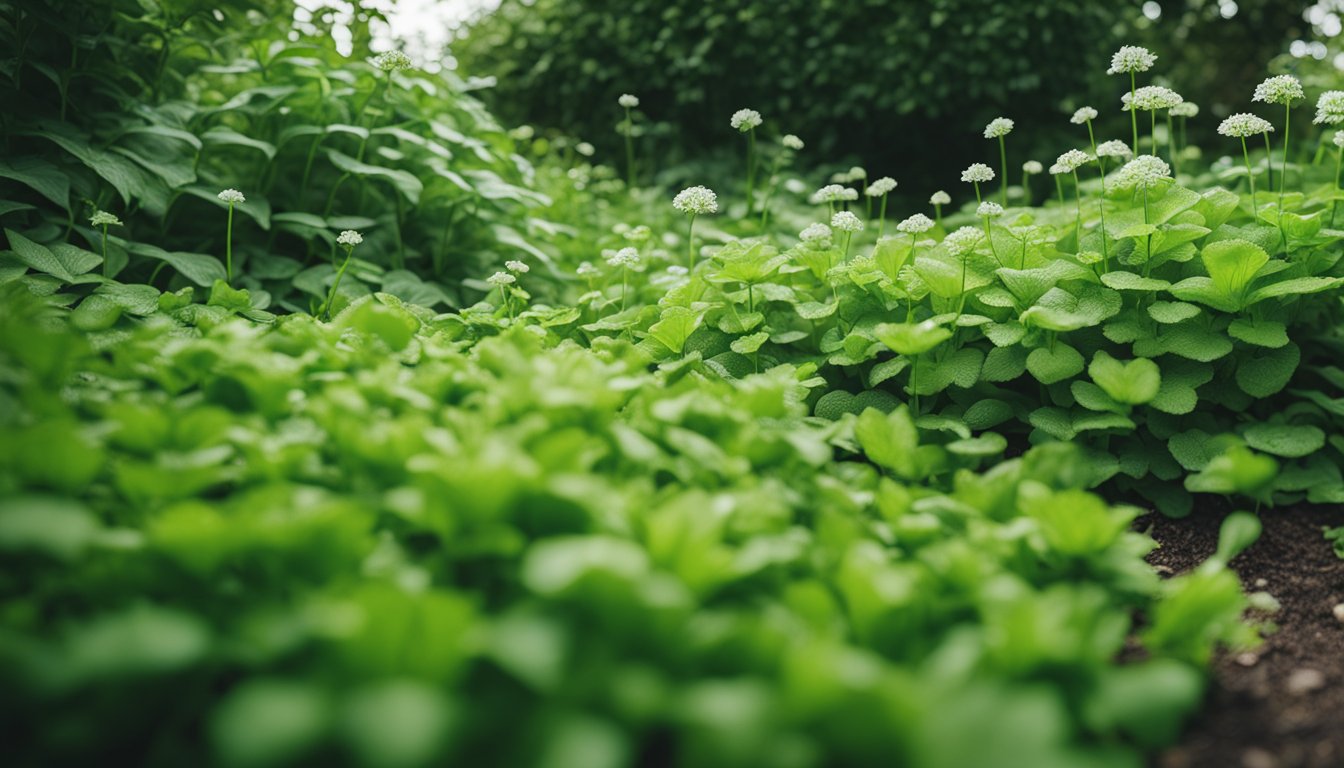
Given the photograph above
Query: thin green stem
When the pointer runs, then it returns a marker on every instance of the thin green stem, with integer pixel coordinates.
(690, 244)
(1059, 187)
(1152, 131)
(1171, 146)
(336, 284)
(1283, 167)
(1246, 154)
(105, 266)
(882, 217)
(976, 184)
(1269, 163)
(989, 237)
(751, 170)
(1133, 115)
(1339, 162)
(1003, 171)
(228, 249)
(629, 150)
(625, 284)
(938, 215)
(1078, 202)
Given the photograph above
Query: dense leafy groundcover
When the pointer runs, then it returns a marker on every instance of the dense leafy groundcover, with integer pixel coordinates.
(374, 541)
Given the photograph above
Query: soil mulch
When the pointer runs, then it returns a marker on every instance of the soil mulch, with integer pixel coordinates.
(1281, 706)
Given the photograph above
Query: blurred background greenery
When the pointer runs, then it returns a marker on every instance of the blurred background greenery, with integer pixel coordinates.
(901, 88)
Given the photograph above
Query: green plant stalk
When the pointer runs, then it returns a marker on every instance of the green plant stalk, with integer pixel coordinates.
(1152, 131)
(1283, 167)
(625, 284)
(690, 244)
(336, 284)
(770, 191)
(844, 257)
(1003, 171)
(1269, 163)
(914, 383)
(976, 184)
(989, 238)
(1133, 115)
(1339, 162)
(1148, 259)
(882, 217)
(1101, 203)
(1246, 154)
(1078, 202)
(751, 170)
(1059, 187)
(1026, 189)
(751, 299)
(1171, 147)
(629, 150)
(228, 248)
(938, 215)
(105, 266)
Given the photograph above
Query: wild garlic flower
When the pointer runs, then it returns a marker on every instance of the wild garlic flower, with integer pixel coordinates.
(104, 219)
(989, 210)
(940, 198)
(1144, 171)
(1132, 58)
(962, 241)
(626, 257)
(848, 194)
(792, 142)
(816, 235)
(746, 119)
(881, 186)
(1032, 167)
(1244, 124)
(586, 269)
(696, 200)
(628, 101)
(857, 173)
(1082, 115)
(586, 149)
(846, 221)
(1073, 160)
(1150, 98)
(1056, 169)
(677, 270)
(517, 266)
(232, 196)
(977, 172)
(1339, 138)
(830, 193)
(501, 279)
(1114, 148)
(999, 126)
(1280, 89)
(392, 61)
(1185, 109)
(1330, 108)
(349, 238)
(915, 225)
(639, 234)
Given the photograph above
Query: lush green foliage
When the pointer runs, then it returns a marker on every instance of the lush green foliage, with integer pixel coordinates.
(148, 111)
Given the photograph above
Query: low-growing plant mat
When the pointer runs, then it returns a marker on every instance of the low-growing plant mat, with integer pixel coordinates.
(1281, 706)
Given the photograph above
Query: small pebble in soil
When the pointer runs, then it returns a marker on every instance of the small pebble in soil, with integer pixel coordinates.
(1247, 659)
(1339, 612)
(1305, 681)
(1261, 583)
(1258, 758)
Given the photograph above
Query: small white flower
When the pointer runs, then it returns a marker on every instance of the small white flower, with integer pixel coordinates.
(1144, 171)
(1150, 98)
(232, 196)
(989, 210)
(1082, 115)
(677, 270)
(586, 269)
(831, 193)
(1032, 167)
(104, 219)
(856, 173)
(696, 200)
(915, 225)
(845, 221)
(1339, 138)
(1185, 109)
(746, 120)
(977, 172)
(999, 126)
(1113, 148)
(1131, 58)
(349, 238)
(881, 186)
(517, 266)
(815, 233)
(392, 61)
(1330, 108)
(1244, 124)
(1280, 89)
(585, 149)
(628, 101)
(848, 194)
(1073, 160)
(940, 198)
(791, 142)
(1056, 169)
(639, 234)
(962, 241)
(626, 257)
(501, 279)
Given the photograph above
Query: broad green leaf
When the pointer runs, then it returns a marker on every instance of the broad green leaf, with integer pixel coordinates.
(889, 440)
(1231, 265)
(1057, 363)
(1133, 383)
(38, 257)
(254, 207)
(1267, 372)
(911, 338)
(404, 182)
(199, 268)
(40, 176)
(1128, 281)
(1287, 440)
(221, 136)
(1262, 333)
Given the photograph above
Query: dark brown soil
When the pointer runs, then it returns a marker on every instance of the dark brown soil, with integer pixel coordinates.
(1281, 706)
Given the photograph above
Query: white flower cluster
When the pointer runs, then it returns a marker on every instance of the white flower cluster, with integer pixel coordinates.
(834, 193)
(791, 142)
(1083, 115)
(1280, 89)
(349, 238)
(999, 126)
(880, 187)
(962, 241)
(989, 210)
(977, 172)
(1113, 148)
(628, 101)
(696, 200)
(1144, 171)
(817, 235)
(1339, 139)
(626, 257)
(746, 120)
(1032, 167)
(501, 279)
(1150, 98)
(392, 61)
(1185, 109)
(104, 219)
(940, 198)
(1330, 108)
(845, 221)
(1073, 160)
(232, 196)
(639, 234)
(517, 266)
(915, 225)
(586, 269)
(1132, 58)
(1244, 124)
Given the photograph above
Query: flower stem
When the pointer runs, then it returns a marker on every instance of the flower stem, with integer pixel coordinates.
(1283, 167)
(1339, 161)
(1269, 163)
(938, 214)
(1152, 131)
(882, 217)
(629, 150)
(228, 249)
(1003, 171)
(336, 284)
(625, 275)
(1245, 153)
(1133, 115)
(751, 170)
(990, 239)
(105, 267)
(1171, 147)
(690, 244)
(1059, 187)
(1078, 201)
